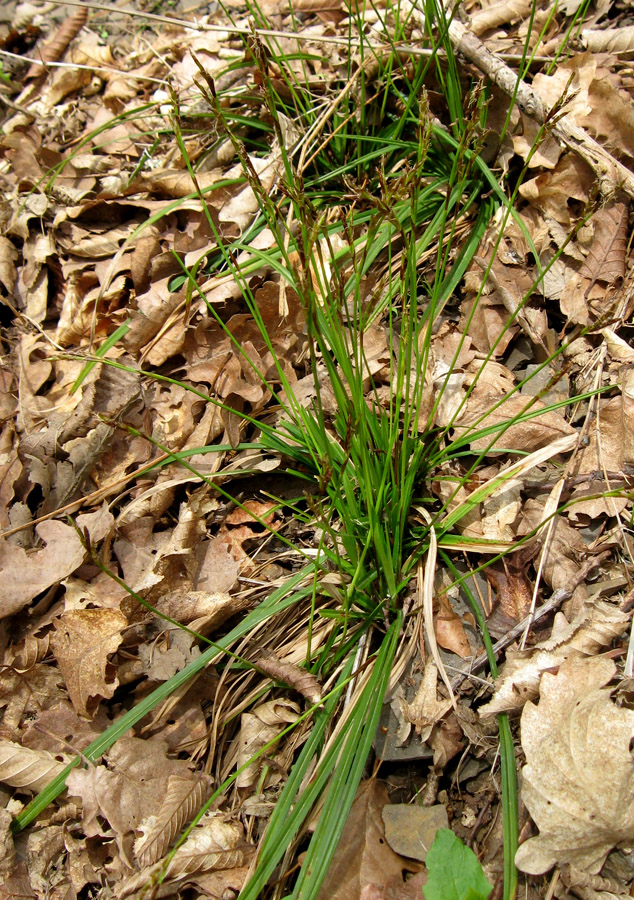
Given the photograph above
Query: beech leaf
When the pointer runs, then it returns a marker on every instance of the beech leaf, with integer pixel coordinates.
(27, 769)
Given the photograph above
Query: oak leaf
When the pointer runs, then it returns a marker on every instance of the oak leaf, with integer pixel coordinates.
(594, 627)
(578, 781)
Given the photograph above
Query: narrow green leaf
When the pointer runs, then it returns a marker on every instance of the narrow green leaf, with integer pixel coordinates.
(116, 336)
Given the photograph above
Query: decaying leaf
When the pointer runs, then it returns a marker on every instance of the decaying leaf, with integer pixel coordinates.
(128, 790)
(426, 709)
(82, 642)
(363, 857)
(213, 845)
(182, 801)
(578, 781)
(291, 674)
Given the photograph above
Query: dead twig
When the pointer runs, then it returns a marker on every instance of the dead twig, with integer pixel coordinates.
(611, 174)
(554, 601)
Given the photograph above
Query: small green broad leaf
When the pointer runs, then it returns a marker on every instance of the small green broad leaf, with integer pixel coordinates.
(453, 871)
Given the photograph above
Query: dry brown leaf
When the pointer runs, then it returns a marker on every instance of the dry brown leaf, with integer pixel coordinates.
(127, 788)
(552, 191)
(163, 658)
(26, 694)
(7, 848)
(363, 857)
(513, 588)
(484, 410)
(43, 849)
(296, 677)
(181, 802)
(578, 782)
(82, 642)
(495, 14)
(213, 845)
(8, 257)
(606, 258)
(55, 48)
(604, 451)
(566, 552)
(257, 728)
(24, 575)
(449, 629)
(28, 770)
(446, 740)
(17, 884)
(609, 40)
(426, 709)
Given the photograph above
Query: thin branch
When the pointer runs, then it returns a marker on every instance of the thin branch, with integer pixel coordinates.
(610, 172)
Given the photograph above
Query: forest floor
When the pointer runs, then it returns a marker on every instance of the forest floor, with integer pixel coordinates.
(316, 450)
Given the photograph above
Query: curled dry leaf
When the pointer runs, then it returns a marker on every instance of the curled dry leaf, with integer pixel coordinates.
(55, 49)
(182, 801)
(595, 626)
(615, 40)
(497, 14)
(578, 781)
(290, 674)
(82, 642)
(257, 729)
(28, 770)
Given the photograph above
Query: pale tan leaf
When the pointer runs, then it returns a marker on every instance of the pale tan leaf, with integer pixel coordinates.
(499, 14)
(578, 781)
(426, 709)
(182, 801)
(82, 642)
(593, 629)
(213, 844)
(609, 40)
(7, 848)
(628, 414)
(257, 729)
(29, 770)
(618, 349)
(8, 257)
